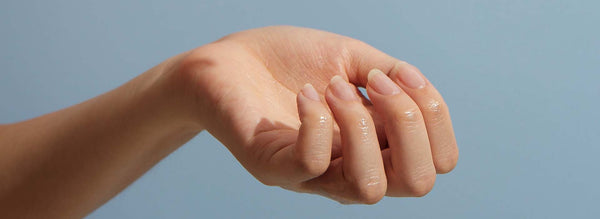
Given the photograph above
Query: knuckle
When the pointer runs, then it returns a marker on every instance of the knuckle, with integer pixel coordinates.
(354, 109)
(313, 166)
(435, 110)
(316, 115)
(370, 191)
(446, 162)
(325, 121)
(409, 115)
(370, 195)
(421, 185)
(444, 167)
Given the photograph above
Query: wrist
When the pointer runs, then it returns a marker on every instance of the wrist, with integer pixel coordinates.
(171, 97)
(193, 79)
(199, 80)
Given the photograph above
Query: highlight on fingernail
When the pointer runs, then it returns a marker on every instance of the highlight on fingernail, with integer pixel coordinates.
(309, 91)
(381, 83)
(341, 89)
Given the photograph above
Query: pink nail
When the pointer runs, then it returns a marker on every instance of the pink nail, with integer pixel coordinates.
(341, 89)
(381, 83)
(410, 76)
(309, 91)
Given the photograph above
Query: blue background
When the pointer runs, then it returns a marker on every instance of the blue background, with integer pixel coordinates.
(521, 79)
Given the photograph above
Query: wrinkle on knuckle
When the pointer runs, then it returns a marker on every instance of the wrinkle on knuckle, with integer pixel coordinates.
(420, 183)
(435, 110)
(409, 117)
(323, 132)
(315, 162)
(445, 153)
(446, 160)
(445, 166)
(369, 194)
(340, 192)
(357, 119)
(324, 120)
(365, 130)
(313, 165)
(370, 189)
(313, 115)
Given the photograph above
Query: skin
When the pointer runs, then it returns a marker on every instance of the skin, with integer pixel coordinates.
(248, 90)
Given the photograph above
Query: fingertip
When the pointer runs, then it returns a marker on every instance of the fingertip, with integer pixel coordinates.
(446, 162)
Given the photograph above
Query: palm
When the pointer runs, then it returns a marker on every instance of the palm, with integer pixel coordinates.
(274, 69)
(253, 85)
(260, 99)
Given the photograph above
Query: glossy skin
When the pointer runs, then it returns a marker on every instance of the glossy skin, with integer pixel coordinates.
(249, 91)
(255, 77)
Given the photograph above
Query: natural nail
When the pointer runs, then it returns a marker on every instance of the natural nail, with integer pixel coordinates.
(410, 76)
(309, 91)
(381, 83)
(341, 89)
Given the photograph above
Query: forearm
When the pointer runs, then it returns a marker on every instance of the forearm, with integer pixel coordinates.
(69, 162)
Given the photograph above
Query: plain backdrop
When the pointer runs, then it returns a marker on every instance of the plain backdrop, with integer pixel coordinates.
(521, 79)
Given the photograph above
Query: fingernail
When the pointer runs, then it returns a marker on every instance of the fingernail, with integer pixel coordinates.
(309, 91)
(341, 89)
(410, 77)
(381, 83)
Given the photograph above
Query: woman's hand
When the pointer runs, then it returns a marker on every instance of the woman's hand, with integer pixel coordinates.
(271, 97)
(255, 92)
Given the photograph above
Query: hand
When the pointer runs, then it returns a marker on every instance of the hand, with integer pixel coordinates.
(269, 95)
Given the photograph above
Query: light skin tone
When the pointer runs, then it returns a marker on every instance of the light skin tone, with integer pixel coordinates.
(283, 100)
